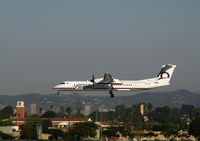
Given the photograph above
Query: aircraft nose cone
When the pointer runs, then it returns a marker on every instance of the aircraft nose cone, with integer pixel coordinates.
(56, 87)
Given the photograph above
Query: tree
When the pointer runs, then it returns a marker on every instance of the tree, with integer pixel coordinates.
(6, 112)
(119, 110)
(68, 111)
(128, 115)
(28, 130)
(45, 126)
(5, 136)
(112, 131)
(49, 114)
(81, 130)
(56, 134)
(116, 128)
(194, 128)
(149, 107)
(6, 123)
(168, 120)
(163, 114)
(187, 110)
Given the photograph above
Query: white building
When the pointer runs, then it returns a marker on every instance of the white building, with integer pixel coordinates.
(86, 110)
(32, 109)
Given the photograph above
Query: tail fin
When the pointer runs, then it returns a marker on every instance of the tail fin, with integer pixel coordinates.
(166, 73)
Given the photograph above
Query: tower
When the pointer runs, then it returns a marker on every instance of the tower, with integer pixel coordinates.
(142, 109)
(20, 109)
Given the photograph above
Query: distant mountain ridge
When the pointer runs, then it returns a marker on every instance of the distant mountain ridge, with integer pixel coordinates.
(172, 99)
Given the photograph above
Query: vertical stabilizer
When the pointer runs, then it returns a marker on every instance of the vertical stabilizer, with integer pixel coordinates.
(166, 73)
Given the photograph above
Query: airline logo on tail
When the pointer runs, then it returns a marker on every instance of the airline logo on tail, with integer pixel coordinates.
(166, 71)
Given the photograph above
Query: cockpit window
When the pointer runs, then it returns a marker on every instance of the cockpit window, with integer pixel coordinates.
(62, 83)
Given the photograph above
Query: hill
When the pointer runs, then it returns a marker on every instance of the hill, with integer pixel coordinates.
(173, 99)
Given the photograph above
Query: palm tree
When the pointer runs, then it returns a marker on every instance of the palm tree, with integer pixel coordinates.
(149, 107)
(68, 113)
(150, 115)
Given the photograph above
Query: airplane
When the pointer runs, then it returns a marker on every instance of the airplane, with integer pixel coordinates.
(108, 83)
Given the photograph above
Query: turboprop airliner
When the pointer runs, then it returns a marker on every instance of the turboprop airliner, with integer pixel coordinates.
(110, 84)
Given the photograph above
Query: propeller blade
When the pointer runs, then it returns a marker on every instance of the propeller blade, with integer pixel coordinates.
(93, 79)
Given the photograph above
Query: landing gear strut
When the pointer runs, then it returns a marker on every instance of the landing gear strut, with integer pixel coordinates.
(58, 92)
(111, 93)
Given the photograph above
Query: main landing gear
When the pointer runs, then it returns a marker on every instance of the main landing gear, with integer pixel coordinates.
(111, 94)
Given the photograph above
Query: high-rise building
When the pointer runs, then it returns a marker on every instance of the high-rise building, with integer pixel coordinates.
(20, 109)
(87, 110)
(32, 109)
(41, 111)
(55, 109)
(142, 109)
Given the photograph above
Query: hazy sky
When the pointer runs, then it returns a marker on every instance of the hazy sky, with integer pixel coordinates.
(45, 42)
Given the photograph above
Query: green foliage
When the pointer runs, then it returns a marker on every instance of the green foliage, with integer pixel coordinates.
(6, 112)
(81, 130)
(6, 123)
(28, 130)
(187, 110)
(45, 125)
(167, 115)
(162, 114)
(166, 119)
(55, 134)
(116, 128)
(68, 111)
(5, 136)
(103, 116)
(120, 112)
(49, 114)
(195, 127)
(149, 107)
(157, 127)
(34, 116)
(197, 112)
(120, 108)
(111, 132)
(168, 128)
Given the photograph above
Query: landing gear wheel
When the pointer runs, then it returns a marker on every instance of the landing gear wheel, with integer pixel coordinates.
(111, 93)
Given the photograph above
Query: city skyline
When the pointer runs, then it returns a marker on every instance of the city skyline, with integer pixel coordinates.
(43, 43)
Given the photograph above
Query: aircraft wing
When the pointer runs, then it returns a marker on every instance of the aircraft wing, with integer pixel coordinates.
(108, 79)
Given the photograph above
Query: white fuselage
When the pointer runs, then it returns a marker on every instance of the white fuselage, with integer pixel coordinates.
(108, 83)
(123, 85)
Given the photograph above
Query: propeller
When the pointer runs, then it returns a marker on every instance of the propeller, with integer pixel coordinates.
(93, 79)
